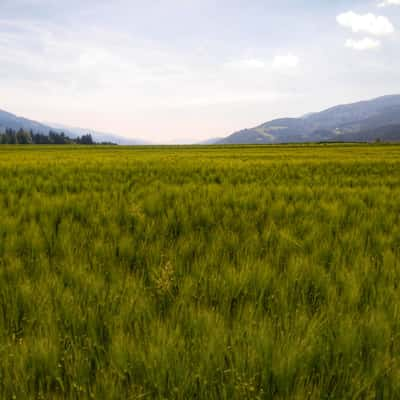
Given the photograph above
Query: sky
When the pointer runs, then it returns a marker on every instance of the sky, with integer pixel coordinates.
(188, 70)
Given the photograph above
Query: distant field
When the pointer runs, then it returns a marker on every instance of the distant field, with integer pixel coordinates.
(200, 272)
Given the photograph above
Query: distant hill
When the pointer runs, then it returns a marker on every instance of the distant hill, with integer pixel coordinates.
(363, 121)
(210, 141)
(11, 121)
(99, 136)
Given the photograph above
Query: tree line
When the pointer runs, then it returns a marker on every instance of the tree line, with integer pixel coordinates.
(21, 136)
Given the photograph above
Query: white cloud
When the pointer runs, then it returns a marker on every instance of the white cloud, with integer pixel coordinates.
(279, 62)
(367, 23)
(386, 3)
(363, 44)
(287, 61)
(251, 63)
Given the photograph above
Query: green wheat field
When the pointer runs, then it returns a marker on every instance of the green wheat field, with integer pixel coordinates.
(248, 272)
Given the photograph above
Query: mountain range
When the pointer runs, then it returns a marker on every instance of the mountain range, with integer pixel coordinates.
(364, 121)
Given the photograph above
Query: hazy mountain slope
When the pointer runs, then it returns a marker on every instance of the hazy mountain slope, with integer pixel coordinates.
(11, 121)
(246, 136)
(209, 141)
(99, 136)
(327, 125)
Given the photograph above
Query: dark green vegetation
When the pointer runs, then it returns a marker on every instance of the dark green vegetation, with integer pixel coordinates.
(365, 121)
(11, 136)
(200, 273)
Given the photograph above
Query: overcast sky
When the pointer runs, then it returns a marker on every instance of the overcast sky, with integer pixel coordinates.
(169, 69)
